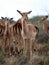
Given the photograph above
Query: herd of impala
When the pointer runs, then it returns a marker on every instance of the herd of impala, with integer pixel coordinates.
(25, 32)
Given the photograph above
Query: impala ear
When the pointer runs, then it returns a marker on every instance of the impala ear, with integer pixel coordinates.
(5, 17)
(43, 19)
(29, 12)
(2, 17)
(46, 16)
(11, 18)
(19, 12)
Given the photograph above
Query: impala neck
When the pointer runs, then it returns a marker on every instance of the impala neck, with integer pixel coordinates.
(6, 26)
(45, 27)
(24, 27)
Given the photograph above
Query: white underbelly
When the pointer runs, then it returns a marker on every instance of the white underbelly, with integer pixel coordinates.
(29, 36)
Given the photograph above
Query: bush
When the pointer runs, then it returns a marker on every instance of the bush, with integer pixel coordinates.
(1, 57)
(46, 62)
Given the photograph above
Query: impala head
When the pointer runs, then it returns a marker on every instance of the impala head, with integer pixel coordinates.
(5, 20)
(24, 14)
(0, 21)
(43, 19)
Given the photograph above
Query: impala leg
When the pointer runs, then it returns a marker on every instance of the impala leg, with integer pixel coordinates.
(13, 38)
(30, 49)
(25, 48)
(10, 46)
(3, 45)
(14, 45)
(24, 52)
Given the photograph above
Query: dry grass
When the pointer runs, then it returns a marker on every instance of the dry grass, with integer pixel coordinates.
(40, 56)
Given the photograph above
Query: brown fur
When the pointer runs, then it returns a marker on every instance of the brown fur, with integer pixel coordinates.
(45, 26)
(8, 32)
(29, 31)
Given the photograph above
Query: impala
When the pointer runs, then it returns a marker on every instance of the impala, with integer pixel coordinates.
(28, 32)
(7, 34)
(45, 26)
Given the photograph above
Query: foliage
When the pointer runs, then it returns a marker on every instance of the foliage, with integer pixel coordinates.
(46, 61)
(12, 21)
(36, 20)
(2, 56)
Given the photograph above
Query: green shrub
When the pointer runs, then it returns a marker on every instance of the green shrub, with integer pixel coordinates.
(1, 57)
(46, 62)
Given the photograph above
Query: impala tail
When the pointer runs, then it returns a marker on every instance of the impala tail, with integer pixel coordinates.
(37, 28)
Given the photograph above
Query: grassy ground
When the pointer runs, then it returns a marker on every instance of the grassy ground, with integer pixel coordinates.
(37, 58)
